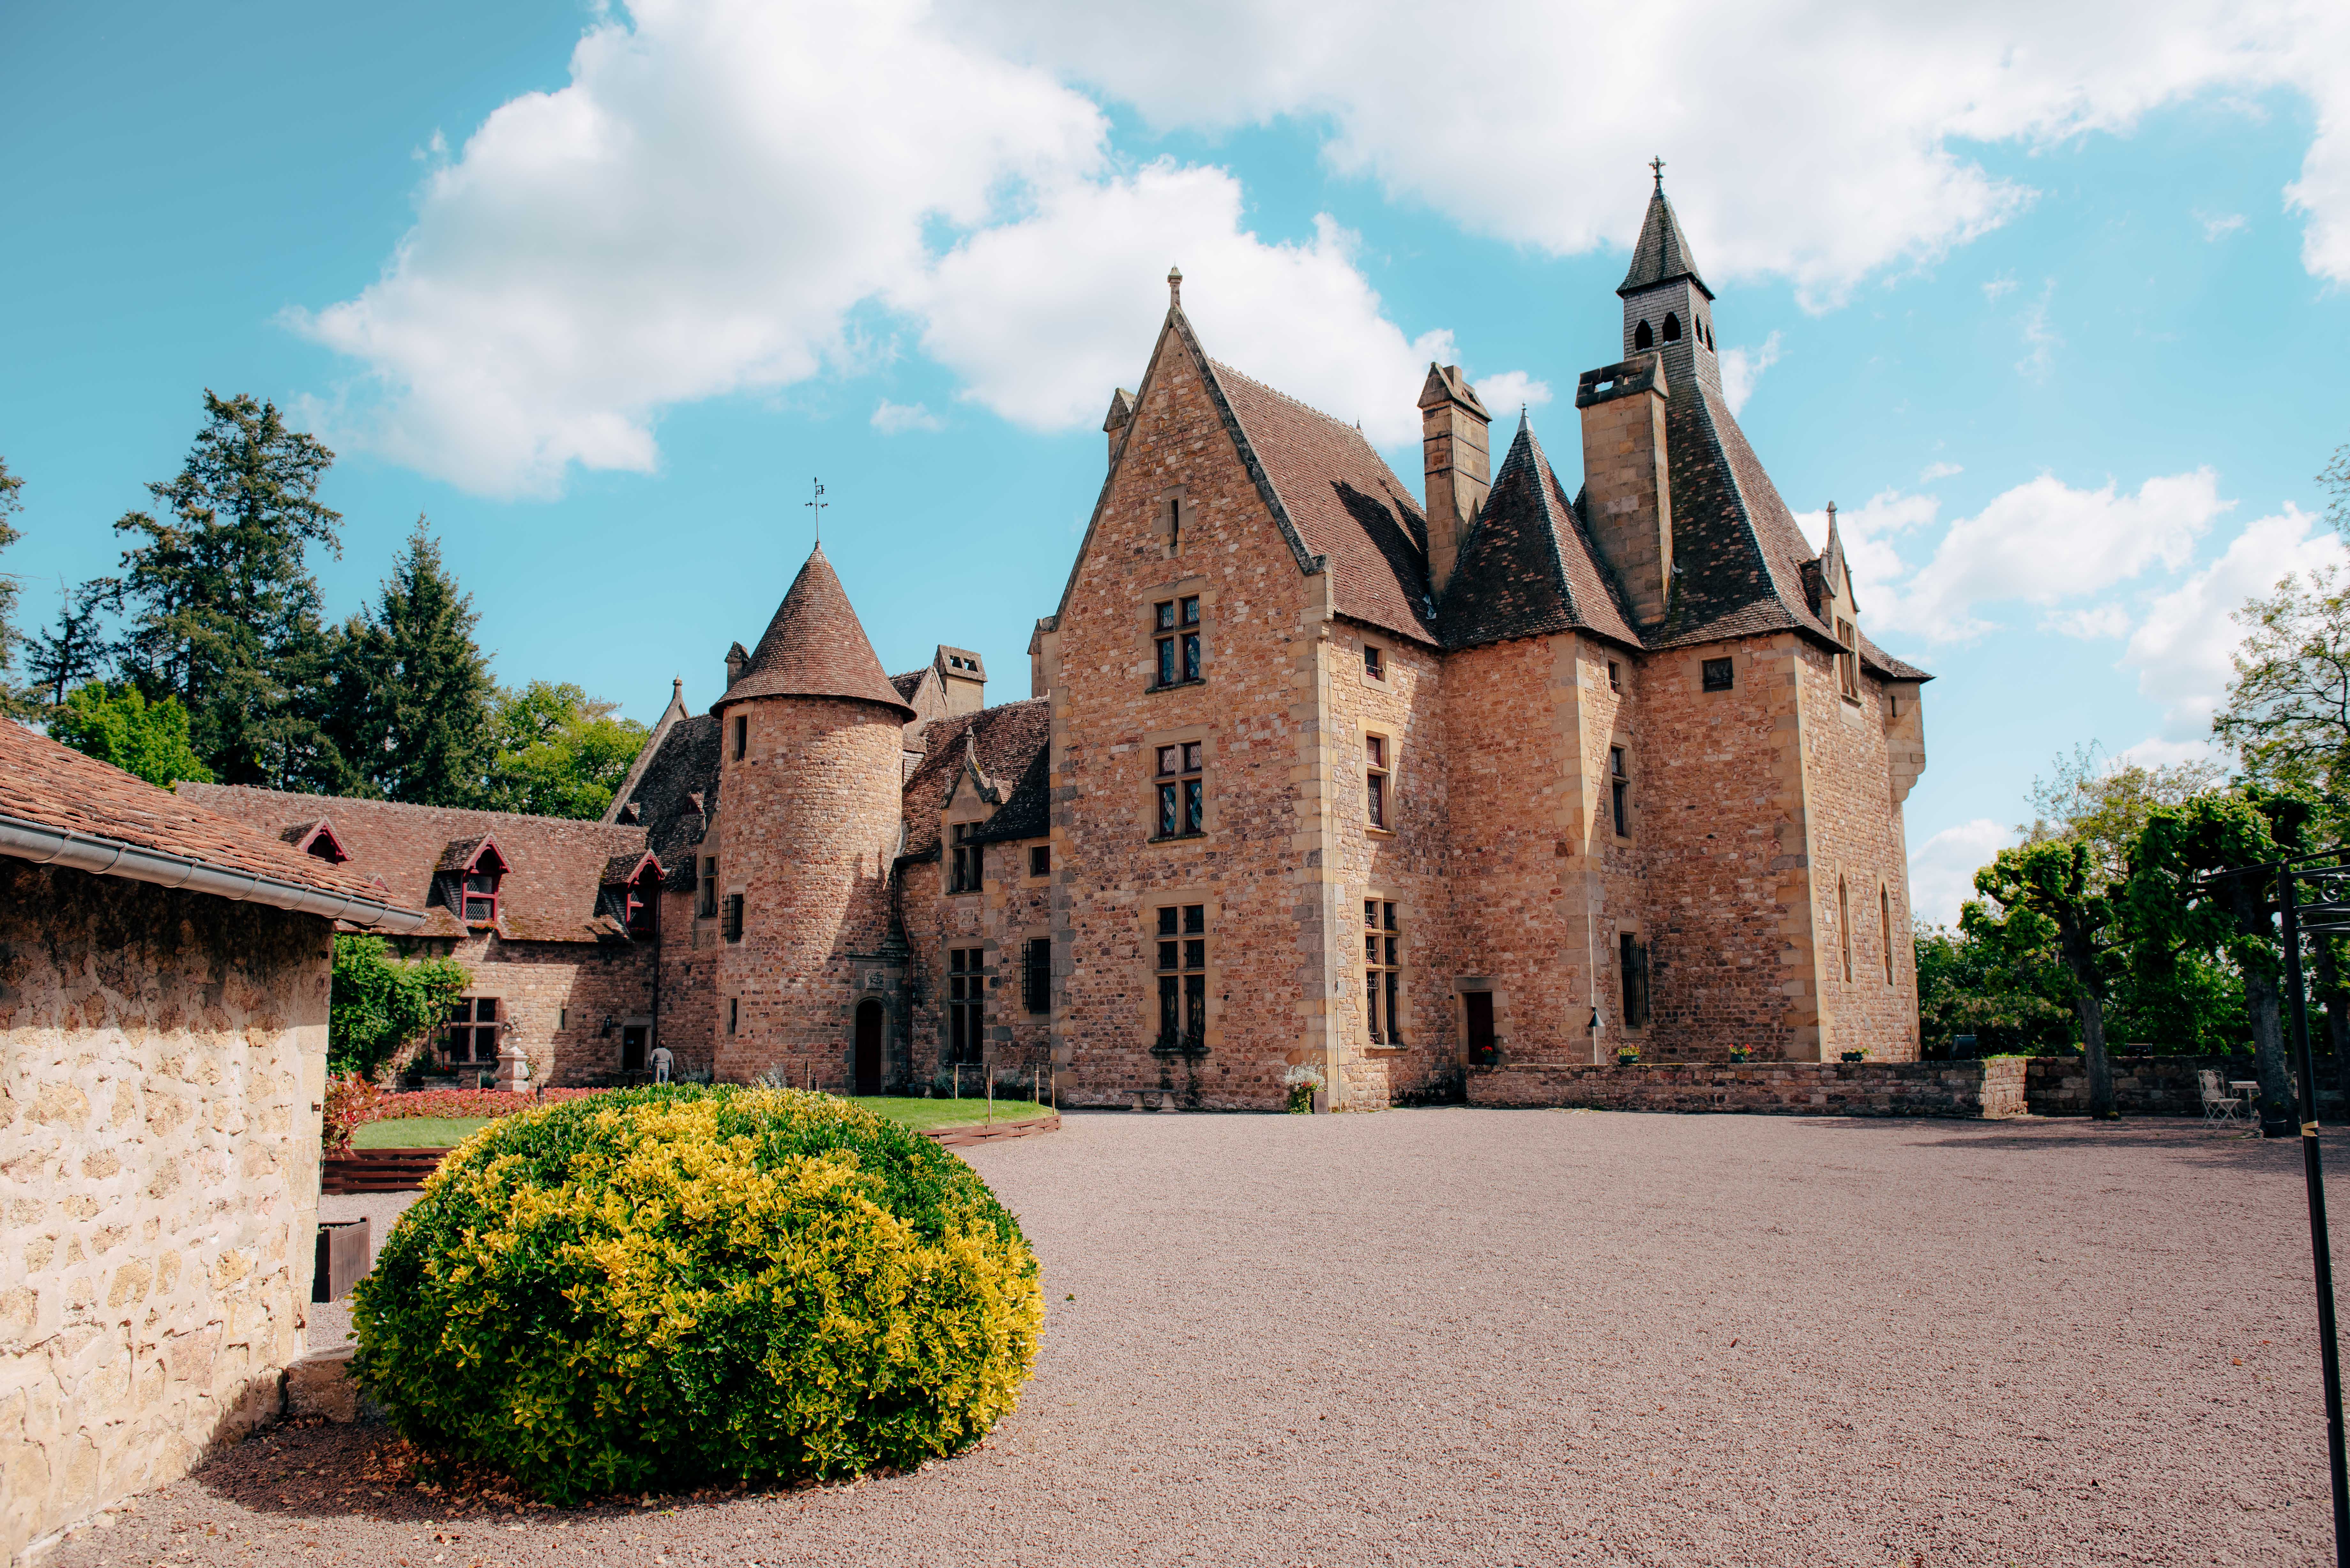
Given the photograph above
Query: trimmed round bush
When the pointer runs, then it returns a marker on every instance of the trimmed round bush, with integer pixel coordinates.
(667, 1287)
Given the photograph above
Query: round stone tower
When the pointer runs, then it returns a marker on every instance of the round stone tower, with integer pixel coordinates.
(810, 780)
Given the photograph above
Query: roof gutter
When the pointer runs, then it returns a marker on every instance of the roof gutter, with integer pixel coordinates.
(46, 846)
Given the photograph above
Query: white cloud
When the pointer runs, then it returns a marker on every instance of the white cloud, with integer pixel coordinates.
(2161, 753)
(1043, 316)
(1742, 368)
(1934, 471)
(1822, 140)
(1942, 871)
(2183, 648)
(2000, 287)
(897, 418)
(2042, 542)
(2095, 621)
(1506, 393)
(2219, 228)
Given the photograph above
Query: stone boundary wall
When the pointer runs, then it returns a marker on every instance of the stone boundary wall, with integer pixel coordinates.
(1988, 1088)
(164, 1059)
(2151, 1085)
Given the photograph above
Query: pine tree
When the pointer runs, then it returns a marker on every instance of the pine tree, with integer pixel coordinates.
(74, 652)
(413, 688)
(225, 612)
(11, 503)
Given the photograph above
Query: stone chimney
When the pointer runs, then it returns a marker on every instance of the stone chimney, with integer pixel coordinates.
(1121, 413)
(1626, 486)
(962, 679)
(737, 659)
(1459, 462)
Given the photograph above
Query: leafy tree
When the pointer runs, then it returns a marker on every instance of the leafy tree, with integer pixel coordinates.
(2336, 478)
(2288, 709)
(11, 503)
(2055, 895)
(225, 612)
(117, 725)
(560, 752)
(2174, 913)
(381, 1004)
(411, 690)
(75, 651)
(1986, 979)
(2106, 804)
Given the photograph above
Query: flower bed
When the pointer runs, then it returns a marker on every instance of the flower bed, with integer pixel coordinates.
(468, 1102)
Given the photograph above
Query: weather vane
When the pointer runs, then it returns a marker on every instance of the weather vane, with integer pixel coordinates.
(819, 504)
(1657, 166)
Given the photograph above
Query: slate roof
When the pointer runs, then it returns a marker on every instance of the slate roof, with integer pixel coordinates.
(1011, 742)
(1528, 567)
(555, 867)
(816, 647)
(685, 766)
(45, 783)
(906, 685)
(1662, 253)
(1344, 502)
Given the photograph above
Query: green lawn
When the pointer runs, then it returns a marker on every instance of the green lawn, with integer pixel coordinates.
(919, 1113)
(419, 1132)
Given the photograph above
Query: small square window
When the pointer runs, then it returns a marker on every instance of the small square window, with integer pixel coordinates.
(1040, 860)
(1717, 673)
(1374, 664)
(1615, 675)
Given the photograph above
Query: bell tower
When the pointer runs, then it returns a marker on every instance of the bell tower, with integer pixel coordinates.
(1667, 305)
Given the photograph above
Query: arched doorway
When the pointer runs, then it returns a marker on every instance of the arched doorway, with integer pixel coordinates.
(869, 1047)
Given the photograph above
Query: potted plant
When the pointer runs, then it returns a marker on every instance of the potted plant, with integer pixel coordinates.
(1299, 1083)
(1627, 1055)
(1485, 1056)
(1741, 1055)
(1856, 1056)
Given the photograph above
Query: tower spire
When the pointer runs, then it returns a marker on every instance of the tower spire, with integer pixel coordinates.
(1657, 167)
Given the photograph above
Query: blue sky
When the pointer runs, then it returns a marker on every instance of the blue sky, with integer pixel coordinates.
(2053, 307)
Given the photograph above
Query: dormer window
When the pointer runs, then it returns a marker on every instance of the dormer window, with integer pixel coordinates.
(318, 838)
(476, 869)
(970, 860)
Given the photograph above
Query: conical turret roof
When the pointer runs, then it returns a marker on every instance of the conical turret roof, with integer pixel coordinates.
(1663, 253)
(816, 647)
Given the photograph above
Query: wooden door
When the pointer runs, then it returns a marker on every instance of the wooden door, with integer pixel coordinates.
(869, 1047)
(1479, 1005)
(632, 1048)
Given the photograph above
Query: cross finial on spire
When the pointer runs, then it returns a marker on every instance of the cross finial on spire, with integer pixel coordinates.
(1657, 167)
(1174, 288)
(817, 504)
(1832, 514)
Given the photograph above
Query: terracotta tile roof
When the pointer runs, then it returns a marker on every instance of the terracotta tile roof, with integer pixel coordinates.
(45, 783)
(816, 647)
(1343, 501)
(1527, 566)
(1009, 742)
(1662, 253)
(555, 867)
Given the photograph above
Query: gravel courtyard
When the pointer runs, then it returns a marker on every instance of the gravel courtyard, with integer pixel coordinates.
(1458, 1337)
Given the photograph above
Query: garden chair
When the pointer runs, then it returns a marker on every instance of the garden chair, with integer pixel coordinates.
(2219, 1106)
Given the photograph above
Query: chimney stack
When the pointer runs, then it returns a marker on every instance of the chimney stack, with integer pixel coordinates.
(1460, 464)
(737, 659)
(1628, 487)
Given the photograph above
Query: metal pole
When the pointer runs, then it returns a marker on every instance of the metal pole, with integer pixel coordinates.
(2319, 1243)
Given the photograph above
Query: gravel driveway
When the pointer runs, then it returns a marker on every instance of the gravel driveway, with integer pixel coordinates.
(1461, 1336)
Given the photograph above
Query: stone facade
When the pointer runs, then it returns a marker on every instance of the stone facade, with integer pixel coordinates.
(158, 1149)
(1603, 765)
(1992, 1088)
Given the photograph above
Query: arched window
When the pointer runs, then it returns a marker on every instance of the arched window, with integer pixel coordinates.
(1642, 337)
(1672, 328)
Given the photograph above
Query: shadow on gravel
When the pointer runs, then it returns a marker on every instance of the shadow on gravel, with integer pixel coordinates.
(2177, 1136)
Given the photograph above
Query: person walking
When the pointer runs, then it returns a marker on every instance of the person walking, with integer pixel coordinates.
(662, 1061)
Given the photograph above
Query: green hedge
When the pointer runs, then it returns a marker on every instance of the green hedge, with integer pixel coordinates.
(666, 1287)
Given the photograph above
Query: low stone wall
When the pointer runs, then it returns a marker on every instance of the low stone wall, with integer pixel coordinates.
(1992, 1088)
(2151, 1085)
(162, 1055)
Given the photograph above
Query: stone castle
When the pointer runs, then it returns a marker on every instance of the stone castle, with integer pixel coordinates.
(1316, 772)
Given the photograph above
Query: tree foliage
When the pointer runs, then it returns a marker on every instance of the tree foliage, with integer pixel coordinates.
(12, 501)
(223, 610)
(560, 752)
(2057, 896)
(76, 649)
(117, 725)
(381, 1004)
(1993, 980)
(2287, 711)
(409, 714)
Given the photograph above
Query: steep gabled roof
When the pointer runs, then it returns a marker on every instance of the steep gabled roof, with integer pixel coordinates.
(816, 647)
(555, 865)
(1343, 501)
(672, 716)
(1527, 567)
(1007, 742)
(676, 793)
(1662, 253)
